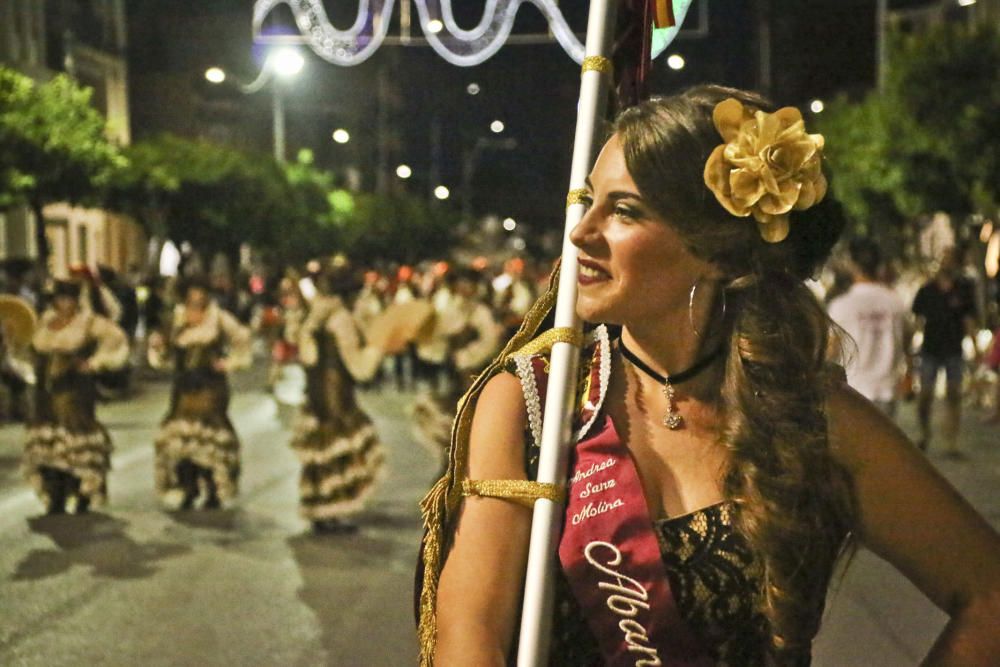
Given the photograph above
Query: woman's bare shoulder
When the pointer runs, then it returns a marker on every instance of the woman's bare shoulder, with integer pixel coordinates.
(496, 442)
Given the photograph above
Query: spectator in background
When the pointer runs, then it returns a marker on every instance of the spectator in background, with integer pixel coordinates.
(128, 320)
(945, 309)
(875, 319)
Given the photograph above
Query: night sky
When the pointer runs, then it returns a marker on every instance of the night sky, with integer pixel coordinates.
(819, 48)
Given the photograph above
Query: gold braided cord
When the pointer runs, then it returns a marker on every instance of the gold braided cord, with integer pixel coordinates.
(549, 338)
(597, 64)
(577, 196)
(520, 491)
(440, 506)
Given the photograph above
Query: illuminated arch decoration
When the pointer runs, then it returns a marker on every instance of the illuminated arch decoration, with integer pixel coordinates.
(457, 45)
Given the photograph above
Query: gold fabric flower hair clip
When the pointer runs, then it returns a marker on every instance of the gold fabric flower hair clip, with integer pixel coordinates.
(767, 167)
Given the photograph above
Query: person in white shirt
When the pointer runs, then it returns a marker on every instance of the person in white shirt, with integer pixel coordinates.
(875, 319)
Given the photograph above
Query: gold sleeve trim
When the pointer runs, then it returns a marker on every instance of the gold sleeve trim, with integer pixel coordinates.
(546, 340)
(597, 64)
(520, 491)
(577, 196)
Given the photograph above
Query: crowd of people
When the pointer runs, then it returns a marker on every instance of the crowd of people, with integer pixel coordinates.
(341, 326)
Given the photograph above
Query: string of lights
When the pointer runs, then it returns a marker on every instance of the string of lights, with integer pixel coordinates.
(458, 46)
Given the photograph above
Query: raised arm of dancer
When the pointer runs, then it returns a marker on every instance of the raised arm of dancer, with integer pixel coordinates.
(479, 593)
(112, 345)
(360, 360)
(912, 517)
(239, 354)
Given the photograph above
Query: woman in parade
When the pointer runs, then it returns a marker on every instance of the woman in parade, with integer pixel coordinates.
(334, 439)
(197, 449)
(464, 338)
(68, 453)
(721, 467)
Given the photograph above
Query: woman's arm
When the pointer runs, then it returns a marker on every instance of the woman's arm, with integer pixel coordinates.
(479, 593)
(238, 340)
(912, 517)
(112, 345)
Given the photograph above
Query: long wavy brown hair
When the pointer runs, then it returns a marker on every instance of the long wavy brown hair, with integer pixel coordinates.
(794, 503)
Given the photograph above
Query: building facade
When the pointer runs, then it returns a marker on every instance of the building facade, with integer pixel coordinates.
(87, 40)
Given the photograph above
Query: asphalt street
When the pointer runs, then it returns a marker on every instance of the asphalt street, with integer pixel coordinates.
(133, 584)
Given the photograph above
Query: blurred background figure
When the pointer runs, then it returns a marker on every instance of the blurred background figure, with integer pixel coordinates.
(17, 324)
(285, 376)
(197, 449)
(874, 317)
(462, 342)
(333, 437)
(945, 309)
(68, 451)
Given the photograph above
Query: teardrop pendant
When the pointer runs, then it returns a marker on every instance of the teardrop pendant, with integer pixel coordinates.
(673, 419)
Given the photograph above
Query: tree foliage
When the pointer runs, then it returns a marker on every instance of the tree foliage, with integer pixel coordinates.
(217, 198)
(927, 141)
(53, 144)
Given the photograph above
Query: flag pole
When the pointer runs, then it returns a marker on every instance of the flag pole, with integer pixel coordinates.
(536, 613)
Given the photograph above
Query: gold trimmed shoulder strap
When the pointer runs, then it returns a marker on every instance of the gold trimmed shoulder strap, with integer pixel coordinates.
(545, 341)
(520, 491)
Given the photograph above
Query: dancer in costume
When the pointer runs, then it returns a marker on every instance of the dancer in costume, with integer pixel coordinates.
(334, 439)
(720, 466)
(68, 453)
(463, 341)
(197, 450)
(17, 373)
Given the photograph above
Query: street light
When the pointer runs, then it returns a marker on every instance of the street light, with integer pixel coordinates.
(341, 136)
(497, 126)
(215, 75)
(441, 192)
(286, 62)
(404, 171)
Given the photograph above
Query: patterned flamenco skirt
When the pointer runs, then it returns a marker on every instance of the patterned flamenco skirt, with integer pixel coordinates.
(342, 462)
(432, 416)
(82, 453)
(198, 431)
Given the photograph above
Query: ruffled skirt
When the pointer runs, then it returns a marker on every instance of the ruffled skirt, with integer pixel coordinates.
(212, 446)
(340, 466)
(85, 454)
(432, 417)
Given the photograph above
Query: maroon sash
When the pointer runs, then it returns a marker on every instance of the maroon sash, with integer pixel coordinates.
(612, 560)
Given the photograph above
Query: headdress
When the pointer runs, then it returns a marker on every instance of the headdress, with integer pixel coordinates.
(767, 166)
(70, 288)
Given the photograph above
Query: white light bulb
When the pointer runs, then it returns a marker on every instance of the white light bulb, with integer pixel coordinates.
(497, 126)
(816, 106)
(286, 61)
(215, 75)
(434, 26)
(509, 224)
(675, 62)
(472, 88)
(404, 171)
(341, 136)
(441, 192)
